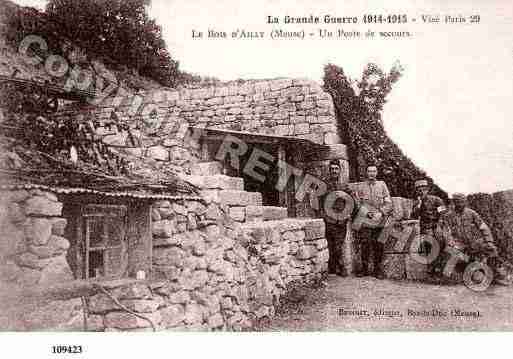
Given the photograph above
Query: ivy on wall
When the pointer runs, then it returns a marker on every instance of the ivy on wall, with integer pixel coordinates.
(492, 211)
(359, 105)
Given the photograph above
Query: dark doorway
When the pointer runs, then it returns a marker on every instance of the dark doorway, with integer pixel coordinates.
(270, 196)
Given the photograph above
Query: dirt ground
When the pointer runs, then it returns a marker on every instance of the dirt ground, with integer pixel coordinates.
(354, 304)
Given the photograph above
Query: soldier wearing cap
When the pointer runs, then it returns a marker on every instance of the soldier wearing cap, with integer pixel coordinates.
(335, 231)
(427, 207)
(464, 229)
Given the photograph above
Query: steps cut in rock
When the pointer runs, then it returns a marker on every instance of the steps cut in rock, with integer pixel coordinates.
(265, 213)
(215, 182)
(207, 169)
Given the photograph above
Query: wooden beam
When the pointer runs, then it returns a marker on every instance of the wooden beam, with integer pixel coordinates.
(59, 291)
(52, 89)
(291, 191)
(204, 151)
(246, 138)
(282, 173)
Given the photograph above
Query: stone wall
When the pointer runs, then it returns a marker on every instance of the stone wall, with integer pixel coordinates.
(33, 252)
(219, 273)
(218, 263)
(212, 280)
(152, 124)
(211, 272)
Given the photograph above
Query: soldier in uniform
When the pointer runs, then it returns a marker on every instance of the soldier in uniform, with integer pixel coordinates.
(427, 208)
(376, 196)
(462, 228)
(335, 231)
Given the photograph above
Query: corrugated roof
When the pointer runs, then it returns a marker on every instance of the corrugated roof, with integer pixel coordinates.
(79, 190)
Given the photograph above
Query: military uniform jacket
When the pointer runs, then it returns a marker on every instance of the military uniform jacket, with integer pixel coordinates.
(466, 229)
(428, 212)
(375, 195)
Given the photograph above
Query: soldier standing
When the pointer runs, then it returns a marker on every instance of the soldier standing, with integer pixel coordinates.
(426, 208)
(462, 228)
(335, 233)
(375, 195)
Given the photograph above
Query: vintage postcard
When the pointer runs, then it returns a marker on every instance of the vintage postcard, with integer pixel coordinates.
(255, 166)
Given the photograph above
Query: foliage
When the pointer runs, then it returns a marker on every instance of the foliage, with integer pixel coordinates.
(119, 31)
(492, 211)
(197, 81)
(359, 105)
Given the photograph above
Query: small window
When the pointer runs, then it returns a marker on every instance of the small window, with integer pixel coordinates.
(104, 241)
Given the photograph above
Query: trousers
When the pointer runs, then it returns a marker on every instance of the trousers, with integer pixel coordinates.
(335, 235)
(371, 249)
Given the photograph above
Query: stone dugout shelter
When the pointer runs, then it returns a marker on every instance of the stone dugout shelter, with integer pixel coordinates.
(186, 239)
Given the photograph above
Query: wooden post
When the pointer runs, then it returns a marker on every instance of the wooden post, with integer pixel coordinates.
(79, 244)
(15, 297)
(139, 237)
(282, 157)
(291, 192)
(87, 244)
(204, 151)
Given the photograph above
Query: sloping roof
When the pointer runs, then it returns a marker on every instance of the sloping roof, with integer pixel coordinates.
(252, 137)
(139, 193)
(26, 167)
(25, 162)
(301, 148)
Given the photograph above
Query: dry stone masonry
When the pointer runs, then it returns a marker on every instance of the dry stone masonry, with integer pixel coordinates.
(212, 273)
(155, 122)
(221, 262)
(33, 252)
(227, 262)
(33, 247)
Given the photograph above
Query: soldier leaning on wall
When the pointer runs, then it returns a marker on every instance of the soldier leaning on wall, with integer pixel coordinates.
(427, 208)
(374, 195)
(335, 231)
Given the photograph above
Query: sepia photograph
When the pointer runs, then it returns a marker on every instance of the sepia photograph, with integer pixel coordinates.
(255, 166)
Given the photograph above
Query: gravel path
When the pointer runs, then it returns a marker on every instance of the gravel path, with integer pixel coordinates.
(355, 304)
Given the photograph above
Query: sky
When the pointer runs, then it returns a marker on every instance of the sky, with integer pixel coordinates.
(451, 110)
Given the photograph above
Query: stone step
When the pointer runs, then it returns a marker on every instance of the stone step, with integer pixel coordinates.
(265, 213)
(313, 228)
(207, 169)
(221, 182)
(272, 213)
(240, 198)
(231, 197)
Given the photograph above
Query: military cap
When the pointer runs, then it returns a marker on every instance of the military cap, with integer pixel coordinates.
(459, 196)
(421, 183)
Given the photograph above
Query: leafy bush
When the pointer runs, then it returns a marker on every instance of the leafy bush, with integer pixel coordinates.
(359, 120)
(119, 32)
